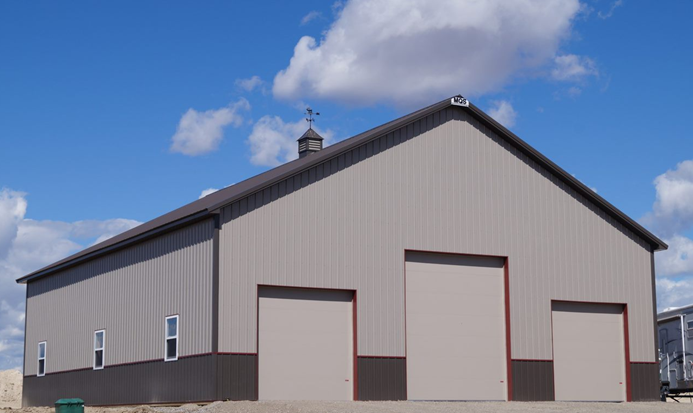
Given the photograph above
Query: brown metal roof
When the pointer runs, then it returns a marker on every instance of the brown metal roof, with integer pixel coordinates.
(310, 133)
(207, 206)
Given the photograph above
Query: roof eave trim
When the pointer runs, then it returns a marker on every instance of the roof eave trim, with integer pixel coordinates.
(122, 244)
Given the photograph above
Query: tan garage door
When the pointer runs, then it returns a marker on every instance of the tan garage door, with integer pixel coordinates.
(305, 344)
(455, 312)
(588, 352)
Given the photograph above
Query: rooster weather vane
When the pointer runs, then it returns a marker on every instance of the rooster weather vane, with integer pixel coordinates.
(310, 119)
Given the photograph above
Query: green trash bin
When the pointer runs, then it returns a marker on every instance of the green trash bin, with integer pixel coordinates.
(69, 406)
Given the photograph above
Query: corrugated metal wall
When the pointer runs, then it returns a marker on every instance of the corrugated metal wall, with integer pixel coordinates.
(456, 187)
(128, 293)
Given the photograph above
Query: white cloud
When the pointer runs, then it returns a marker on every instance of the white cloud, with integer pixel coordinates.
(408, 53)
(273, 141)
(250, 84)
(201, 132)
(503, 112)
(614, 5)
(573, 68)
(672, 219)
(672, 212)
(574, 91)
(678, 259)
(673, 293)
(12, 208)
(206, 192)
(310, 17)
(34, 244)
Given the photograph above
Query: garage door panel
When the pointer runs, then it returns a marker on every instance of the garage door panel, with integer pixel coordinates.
(589, 352)
(305, 344)
(455, 315)
(449, 262)
(417, 282)
(453, 304)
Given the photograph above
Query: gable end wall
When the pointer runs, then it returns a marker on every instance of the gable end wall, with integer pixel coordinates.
(445, 183)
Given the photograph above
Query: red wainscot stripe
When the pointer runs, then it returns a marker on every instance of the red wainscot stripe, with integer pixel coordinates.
(145, 361)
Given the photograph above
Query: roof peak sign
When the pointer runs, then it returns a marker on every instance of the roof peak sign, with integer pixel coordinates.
(459, 100)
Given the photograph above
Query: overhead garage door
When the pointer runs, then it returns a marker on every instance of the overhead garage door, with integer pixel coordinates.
(588, 352)
(305, 344)
(455, 311)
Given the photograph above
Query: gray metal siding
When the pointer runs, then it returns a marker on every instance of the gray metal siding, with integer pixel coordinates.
(128, 294)
(445, 183)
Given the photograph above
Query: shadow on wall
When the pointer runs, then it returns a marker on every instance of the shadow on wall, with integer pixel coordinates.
(130, 256)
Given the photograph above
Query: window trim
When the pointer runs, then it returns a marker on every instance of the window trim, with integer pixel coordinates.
(39, 358)
(102, 348)
(176, 337)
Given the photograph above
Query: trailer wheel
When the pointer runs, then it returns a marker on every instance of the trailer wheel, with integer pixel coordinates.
(663, 391)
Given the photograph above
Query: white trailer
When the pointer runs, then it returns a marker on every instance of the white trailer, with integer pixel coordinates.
(675, 334)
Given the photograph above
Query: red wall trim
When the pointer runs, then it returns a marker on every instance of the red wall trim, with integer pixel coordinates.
(454, 253)
(234, 353)
(506, 276)
(506, 282)
(406, 362)
(587, 302)
(644, 362)
(380, 357)
(538, 360)
(146, 361)
(257, 342)
(257, 331)
(626, 340)
(355, 332)
(553, 354)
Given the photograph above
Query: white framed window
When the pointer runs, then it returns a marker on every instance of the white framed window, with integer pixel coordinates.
(41, 365)
(99, 349)
(171, 344)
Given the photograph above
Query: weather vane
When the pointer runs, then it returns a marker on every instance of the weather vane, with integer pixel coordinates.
(310, 119)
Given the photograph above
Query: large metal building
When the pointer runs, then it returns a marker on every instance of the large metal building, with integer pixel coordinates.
(436, 257)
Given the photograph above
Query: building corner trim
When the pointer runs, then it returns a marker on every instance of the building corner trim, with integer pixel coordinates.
(215, 302)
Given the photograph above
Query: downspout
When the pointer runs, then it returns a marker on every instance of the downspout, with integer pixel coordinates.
(683, 346)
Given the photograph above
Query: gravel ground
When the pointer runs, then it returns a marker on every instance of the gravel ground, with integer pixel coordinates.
(389, 407)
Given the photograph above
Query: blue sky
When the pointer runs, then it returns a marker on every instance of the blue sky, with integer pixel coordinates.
(114, 113)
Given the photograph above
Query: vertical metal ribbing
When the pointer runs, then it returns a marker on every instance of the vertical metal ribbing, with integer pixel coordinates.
(128, 293)
(444, 183)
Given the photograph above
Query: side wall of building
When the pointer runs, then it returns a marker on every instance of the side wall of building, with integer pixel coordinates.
(128, 294)
(448, 184)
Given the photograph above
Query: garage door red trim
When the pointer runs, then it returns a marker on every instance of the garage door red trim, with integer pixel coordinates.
(506, 283)
(626, 339)
(257, 331)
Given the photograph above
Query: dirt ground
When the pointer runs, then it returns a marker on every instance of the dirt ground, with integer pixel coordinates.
(11, 390)
(388, 407)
